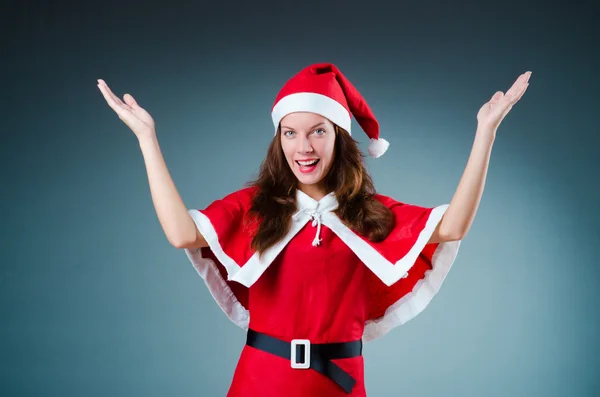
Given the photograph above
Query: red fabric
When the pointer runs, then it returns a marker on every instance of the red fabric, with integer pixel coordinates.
(308, 292)
(240, 291)
(318, 81)
(382, 296)
(322, 293)
(410, 221)
(326, 79)
(227, 217)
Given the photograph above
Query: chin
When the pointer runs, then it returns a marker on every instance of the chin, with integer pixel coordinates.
(308, 180)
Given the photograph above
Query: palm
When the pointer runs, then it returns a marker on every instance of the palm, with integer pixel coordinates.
(493, 112)
(132, 114)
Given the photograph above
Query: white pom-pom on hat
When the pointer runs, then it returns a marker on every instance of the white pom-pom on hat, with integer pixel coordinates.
(377, 147)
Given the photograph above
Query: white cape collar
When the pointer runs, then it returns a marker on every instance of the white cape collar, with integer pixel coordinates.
(305, 202)
(321, 213)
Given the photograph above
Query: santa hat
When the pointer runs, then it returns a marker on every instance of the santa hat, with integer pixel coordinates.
(321, 88)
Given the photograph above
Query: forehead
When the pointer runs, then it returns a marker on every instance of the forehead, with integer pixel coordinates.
(304, 120)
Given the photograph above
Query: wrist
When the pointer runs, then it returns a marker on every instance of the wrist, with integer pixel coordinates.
(486, 130)
(147, 139)
(485, 136)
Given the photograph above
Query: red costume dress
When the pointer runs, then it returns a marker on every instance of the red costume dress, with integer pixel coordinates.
(322, 282)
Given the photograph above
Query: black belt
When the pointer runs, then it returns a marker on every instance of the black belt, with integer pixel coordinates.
(314, 355)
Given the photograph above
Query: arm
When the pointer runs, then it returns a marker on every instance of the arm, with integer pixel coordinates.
(180, 229)
(176, 222)
(459, 216)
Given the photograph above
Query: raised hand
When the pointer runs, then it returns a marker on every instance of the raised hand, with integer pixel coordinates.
(134, 116)
(493, 112)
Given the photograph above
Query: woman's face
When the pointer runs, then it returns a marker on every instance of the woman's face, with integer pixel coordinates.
(308, 141)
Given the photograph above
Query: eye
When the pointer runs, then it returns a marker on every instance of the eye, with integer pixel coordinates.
(320, 131)
(288, 133)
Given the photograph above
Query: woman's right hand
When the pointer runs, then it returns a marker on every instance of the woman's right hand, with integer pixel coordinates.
(134, 116)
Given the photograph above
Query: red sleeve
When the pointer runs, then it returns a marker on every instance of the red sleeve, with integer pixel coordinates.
(424, 267)
(223, 225)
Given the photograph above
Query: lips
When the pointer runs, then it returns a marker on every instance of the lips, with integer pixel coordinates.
(307, 166)
(307, 163)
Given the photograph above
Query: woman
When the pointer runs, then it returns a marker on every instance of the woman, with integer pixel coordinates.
(309, 295)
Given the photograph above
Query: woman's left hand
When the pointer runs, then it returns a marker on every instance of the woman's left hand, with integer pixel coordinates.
(493, 112)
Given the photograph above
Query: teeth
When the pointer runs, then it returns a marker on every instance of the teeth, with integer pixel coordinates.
(305, 163)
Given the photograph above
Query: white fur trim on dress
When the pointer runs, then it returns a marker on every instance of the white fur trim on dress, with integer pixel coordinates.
(387, 271)
(218, 288)
(256, 265)
(419, 298)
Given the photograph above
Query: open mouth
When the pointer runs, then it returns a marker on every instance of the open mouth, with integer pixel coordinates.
(307, 166)
(309, 163)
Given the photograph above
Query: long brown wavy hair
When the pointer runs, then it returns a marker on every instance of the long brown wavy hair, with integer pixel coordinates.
(275, 200)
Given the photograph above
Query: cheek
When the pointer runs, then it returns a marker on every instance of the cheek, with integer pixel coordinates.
(287, 152)
(327, 151)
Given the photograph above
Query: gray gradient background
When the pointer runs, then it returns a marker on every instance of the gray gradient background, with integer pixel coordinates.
(94, 300)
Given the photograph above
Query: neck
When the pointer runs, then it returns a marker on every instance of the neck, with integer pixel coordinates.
(313, 191)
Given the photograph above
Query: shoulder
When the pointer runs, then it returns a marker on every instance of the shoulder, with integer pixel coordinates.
(404, 211)
(238, 201)
(388, 201)
(242, 196)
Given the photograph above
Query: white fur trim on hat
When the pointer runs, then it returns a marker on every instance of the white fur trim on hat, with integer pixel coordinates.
(311, 102)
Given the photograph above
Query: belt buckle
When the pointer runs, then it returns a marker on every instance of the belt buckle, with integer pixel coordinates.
(306, 363)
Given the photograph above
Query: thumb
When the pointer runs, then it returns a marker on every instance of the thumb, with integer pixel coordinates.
(130, 101)
(496, 97)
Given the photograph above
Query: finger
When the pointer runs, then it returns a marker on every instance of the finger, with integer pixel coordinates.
(128, 98)
(124, 114)
(115, 98)
(105, 93)
(118, 107)
(110, 99)
(517, 85)
(523, 80)
(519, 93)
(116, 101)
(522, 92)
(496, 97)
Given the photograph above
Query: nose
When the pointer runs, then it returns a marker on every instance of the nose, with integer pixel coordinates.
(304, 145)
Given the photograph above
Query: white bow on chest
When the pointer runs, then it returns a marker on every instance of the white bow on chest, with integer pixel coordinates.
(315, 210)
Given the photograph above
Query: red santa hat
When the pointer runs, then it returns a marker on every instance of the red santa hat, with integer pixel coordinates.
(321, 88)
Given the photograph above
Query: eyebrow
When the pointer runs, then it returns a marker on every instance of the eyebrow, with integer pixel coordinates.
(316, 125)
